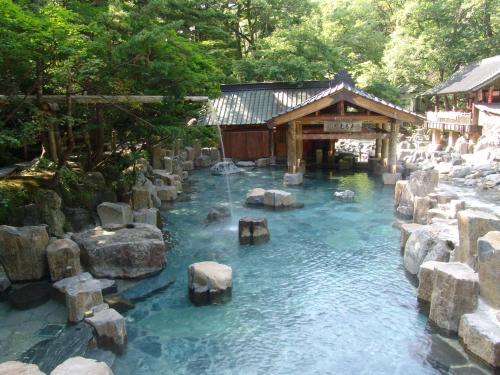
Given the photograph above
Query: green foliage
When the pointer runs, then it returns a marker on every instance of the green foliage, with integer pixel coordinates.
(11, 197)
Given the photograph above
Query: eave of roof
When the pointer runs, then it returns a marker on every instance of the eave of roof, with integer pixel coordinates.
(470, 77)
(332, 91)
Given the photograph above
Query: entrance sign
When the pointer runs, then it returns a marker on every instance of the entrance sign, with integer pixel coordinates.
(342, 126)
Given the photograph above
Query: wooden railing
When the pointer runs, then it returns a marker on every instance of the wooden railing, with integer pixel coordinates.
(454, 121)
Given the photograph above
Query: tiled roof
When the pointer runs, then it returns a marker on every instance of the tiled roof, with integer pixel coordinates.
(256, 103)
(470, 78)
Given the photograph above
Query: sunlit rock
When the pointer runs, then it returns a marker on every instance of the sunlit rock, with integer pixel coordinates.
(115, 213)
(209, 283)
(63, 256)
(253, 230)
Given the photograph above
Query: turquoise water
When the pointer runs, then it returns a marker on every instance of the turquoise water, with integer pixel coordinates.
(327, 295)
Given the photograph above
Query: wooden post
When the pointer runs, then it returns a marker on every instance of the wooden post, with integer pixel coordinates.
(436, 136)
(331, 151)
(291, 141)
(393, 144)
(436, 106)
(490, 95)
(300, 144)
(454, 102)
(452, 138)
(385, 147)
(271, 142)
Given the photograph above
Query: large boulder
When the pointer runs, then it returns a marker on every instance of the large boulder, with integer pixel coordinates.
(81, 297)
(149, 216)
(489, 268)
(144, 194)
(209, 282)
(421, 208)
(19, 368)
(157, 157)
(454, 293)
(202, 161)
(78, 218)
(169, 179)
(473, 224)
(278, 198)
(110, 328)
(403, 199)
(30, 296)
(166, 193)
(82, 366)
(131, 251)
(422, 182)
(253, 230)
(187, 165)
(426, 280)
(115, 213)
(425, 244)
(48, 204)
(63, 256)
(255, 197)
(406, 230)
(23, 252)
(480, 334)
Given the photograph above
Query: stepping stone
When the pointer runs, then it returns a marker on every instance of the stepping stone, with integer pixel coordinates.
(82, 366)
(19, 368)
(110, 327)
(30, 296)
(209, 283)
(63, 256)
(253, 231)
(82, 297)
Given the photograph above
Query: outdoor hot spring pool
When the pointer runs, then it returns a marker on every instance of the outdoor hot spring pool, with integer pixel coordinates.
(327, 295)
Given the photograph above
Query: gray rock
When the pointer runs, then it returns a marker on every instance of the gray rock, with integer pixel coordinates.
(255, 197)
(110, 328)
(131, 251)
(23, 252)
(426, 280)
(167, 193)
(115, 213)
(421, 208)
(218, 213)
(406, 230)
(63, 256)
(48, 204)
(149, 216)
(278, 198)
(422, 183)
(81, 297)
(30, 296)
(78, 218)
(489, 268)
(253, 231)
(245, 164)
(148, 287)
(209, 283)
(82, 366)
(187, 165)
(473, 224)
(262, 162)
(480, 334)
(459, 171)
(47, 354)
(19, 368)
(455, 292)
(425, 244)
(202, 161)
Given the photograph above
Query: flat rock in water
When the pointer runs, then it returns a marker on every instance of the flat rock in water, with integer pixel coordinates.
(30, 296)
(443, 355)
(48, 354)
(147, 287)
(100, 355)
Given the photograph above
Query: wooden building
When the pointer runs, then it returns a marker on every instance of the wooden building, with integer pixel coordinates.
(292, 121)
(468, 103)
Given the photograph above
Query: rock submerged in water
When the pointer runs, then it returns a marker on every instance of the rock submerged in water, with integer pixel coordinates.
(110, 328)
(224, 168)
(116, 251)
(255, 197)
(209, 283)
(82, 366)
(278, 198)
(218, 213)
(346, 195)
(253, 231)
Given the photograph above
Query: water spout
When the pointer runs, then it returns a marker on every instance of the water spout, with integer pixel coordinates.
(215, 118)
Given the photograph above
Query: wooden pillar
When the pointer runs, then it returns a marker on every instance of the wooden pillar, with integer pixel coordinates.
(393, 144)
(436, 136)
(331, 151)
(454, 102)
(436, 106)
(300, 144)
(271, 142)
(385, 147)
(452, 138)
(291, 141)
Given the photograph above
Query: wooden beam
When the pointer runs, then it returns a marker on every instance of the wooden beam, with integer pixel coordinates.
(355, 117)
(291, 141)
(307, 109)
(353, 135)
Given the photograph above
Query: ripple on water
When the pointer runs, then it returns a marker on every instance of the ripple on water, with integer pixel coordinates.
(326, 295)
